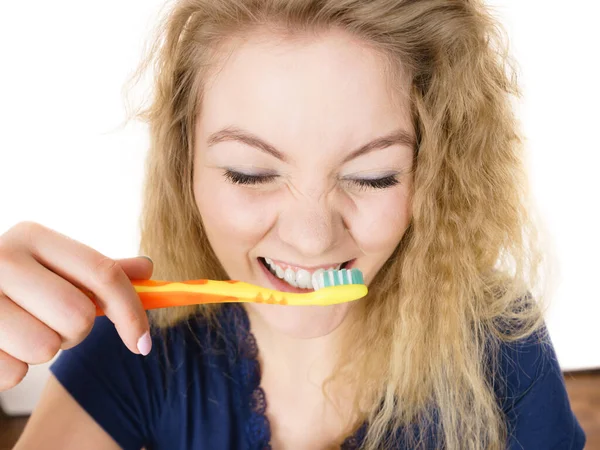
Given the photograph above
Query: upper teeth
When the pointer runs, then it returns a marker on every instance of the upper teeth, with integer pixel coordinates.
(298, 278)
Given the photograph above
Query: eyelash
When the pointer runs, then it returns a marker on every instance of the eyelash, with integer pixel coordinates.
(242, 178)
(377, 183)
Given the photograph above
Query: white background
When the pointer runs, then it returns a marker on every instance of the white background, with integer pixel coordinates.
(65, 163)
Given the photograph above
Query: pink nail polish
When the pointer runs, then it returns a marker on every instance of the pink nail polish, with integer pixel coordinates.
(144, 344)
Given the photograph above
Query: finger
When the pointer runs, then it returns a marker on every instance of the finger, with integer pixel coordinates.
(138, 268)
(12, 371)
(52, 300)
(88, 268)
(24, 337)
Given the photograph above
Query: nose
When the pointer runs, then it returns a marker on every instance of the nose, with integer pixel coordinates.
(311, 226)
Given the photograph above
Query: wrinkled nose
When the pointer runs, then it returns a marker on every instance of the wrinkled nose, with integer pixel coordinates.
(311, 227)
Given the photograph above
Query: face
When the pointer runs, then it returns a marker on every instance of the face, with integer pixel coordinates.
(284, 172)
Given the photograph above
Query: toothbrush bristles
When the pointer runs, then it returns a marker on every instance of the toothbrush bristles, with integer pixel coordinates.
(332, 277)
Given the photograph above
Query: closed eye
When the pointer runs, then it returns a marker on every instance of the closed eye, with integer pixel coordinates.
(362, 183)
(242, 178)
(376, 183)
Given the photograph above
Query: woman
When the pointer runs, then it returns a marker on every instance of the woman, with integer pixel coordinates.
(290, 135)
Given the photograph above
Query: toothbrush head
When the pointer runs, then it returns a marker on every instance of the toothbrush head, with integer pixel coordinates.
(332, 277)
(332, 287)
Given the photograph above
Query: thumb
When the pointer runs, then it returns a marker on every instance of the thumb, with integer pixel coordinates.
(138, 268)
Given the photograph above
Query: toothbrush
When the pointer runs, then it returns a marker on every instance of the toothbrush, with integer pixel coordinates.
(331, 287)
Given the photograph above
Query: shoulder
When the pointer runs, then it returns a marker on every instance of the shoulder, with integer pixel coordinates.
(144, 400)
(522, 363)
(532, 393)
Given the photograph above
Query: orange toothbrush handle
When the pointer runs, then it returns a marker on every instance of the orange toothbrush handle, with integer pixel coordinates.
(153, 295)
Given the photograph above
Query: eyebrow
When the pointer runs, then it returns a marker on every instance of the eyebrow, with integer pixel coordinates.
(400, 137)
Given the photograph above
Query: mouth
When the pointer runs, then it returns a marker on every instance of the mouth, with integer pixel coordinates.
(289, 278)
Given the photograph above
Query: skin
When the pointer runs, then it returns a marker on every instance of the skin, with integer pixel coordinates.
(310, 211)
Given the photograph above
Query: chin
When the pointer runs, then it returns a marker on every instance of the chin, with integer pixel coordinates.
(301, 322)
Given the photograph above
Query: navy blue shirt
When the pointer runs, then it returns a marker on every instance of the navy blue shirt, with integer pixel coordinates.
(199, 389)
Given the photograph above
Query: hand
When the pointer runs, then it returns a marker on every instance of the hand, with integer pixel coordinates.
(42, 309)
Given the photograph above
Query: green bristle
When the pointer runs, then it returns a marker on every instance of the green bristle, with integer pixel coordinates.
(326, 280)
(357, 277)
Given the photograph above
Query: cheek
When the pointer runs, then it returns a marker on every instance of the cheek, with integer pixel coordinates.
(380, 221)
(232, 217)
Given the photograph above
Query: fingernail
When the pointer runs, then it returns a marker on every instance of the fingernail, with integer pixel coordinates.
(144, 344)
(148, 258)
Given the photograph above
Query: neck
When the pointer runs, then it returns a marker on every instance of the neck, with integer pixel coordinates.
(294, 358)
(293, 372)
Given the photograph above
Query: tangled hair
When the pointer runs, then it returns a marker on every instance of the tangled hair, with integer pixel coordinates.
(466, 273)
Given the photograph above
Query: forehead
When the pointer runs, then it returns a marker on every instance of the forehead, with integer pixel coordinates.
(311, 85)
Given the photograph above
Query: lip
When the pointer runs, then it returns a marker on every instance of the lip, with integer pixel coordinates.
(280, 285)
